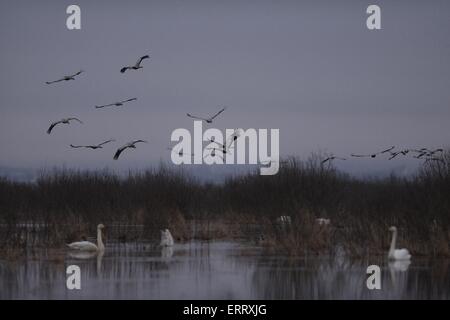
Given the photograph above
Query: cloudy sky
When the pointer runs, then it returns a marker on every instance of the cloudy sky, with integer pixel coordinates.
(310, 68)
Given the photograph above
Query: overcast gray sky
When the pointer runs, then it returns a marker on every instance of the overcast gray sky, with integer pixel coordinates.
(309, 68)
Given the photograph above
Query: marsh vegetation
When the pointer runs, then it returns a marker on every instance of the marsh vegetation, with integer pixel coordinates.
(63, 205)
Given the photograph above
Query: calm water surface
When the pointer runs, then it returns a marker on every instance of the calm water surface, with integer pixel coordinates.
(215, 270)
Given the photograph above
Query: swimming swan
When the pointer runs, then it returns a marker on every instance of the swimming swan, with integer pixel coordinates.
(166, 238)
(397, 254)
(89, 246)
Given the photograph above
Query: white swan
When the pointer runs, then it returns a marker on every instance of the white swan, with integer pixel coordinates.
(397, 254)
(166, 238)
(399, 265)
(82, 255)
(89, 246)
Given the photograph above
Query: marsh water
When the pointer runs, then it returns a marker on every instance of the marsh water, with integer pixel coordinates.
(214, 270)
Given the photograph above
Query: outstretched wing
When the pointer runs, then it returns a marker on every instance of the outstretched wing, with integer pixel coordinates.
(420, 150)
(124, 69)
(195, 117)
(128, 100)
(137, 141)
(73, 146)
(213, 154)
(387, 150)
(214, 116)
(393, 155)
(50, 82)
(222, 146)
(218, 143)
(75, 119)
(118, 152)
(105, 142)
(49, 130)
(138, 63)
(76, 74)
(360, 155)
(231, 139)
(106, 105)
(420, 155)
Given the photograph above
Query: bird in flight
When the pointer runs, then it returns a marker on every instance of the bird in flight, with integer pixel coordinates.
(432, 152)
(213, 153)
(394, 154)
(181, 152)
(420, 152)
(93, 147)
(64, 121)
(234, 136)
(373, 155)
(426, 152)
(66, 78)
(116, 104)
(225, 148)
(230, 140)
(331, 158)
(207, 120)
(131, 145)
(136, 66)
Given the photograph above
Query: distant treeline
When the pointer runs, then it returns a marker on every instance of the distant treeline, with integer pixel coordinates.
(360, 210)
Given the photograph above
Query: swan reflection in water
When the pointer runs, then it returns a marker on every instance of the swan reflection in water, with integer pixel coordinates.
(219, 270)
(167, 252)
(399, 272)
(86, 255)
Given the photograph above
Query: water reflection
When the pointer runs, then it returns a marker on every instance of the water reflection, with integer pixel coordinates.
(399, 274)
(167, 252)
(217, 270)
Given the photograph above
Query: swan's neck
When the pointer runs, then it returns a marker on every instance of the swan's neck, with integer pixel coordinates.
(100, 244)
(394, 239)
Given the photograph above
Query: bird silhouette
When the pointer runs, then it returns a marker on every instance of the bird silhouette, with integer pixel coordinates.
(373, 155)
(66, 78)
(95, 146)
(62, 121)
(207, 120)
(136, 66)
(331, 158)
(116, 104)
(131, 145)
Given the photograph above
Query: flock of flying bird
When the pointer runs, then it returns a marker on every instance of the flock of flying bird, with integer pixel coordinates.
(222, 149)
(132, 144)
(423, 154)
